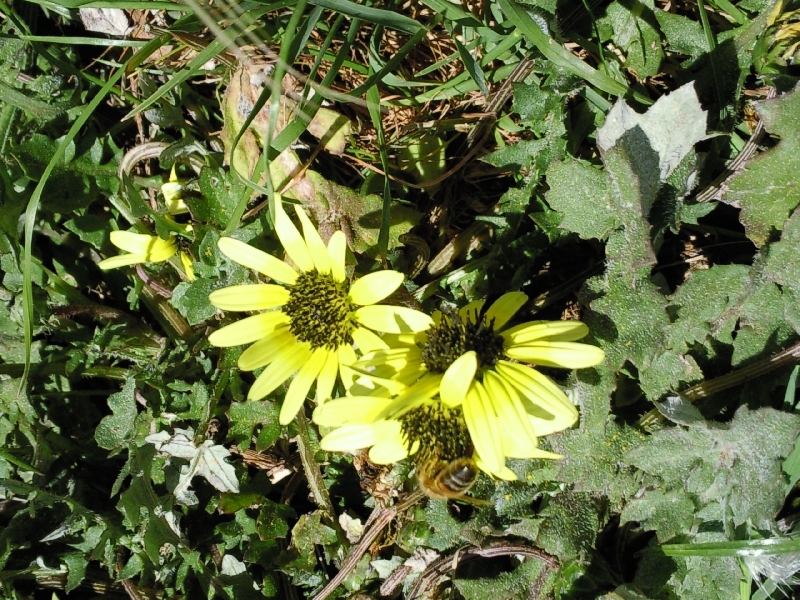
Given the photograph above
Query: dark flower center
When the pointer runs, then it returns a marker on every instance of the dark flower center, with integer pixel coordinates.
(454, 336)
(320, 311)
(441, 432)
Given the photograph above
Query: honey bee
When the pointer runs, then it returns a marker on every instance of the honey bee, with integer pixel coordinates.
(448, 480)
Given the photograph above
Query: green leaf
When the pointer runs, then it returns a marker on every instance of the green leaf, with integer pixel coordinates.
(684, 36)
(191, 300)
(637, 35)
(503, 585)
(669, 514)
(737, 465)
(244, 417)
(576, 187)
(763, 328)
(91, 229)
(445, 530)
(76, 569)
(114, 430)
(593, 454)
(472, 66)
(570, 524)
(671, 128)
(221, 191)
(767, 190)
(703, 305)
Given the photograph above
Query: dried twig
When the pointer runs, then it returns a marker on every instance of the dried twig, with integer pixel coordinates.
(445, 564)
(379, 519)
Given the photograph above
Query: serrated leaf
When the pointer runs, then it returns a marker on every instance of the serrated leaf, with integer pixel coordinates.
(308, 532)
(700, 303)
(221, 192)
(504, 585)
(636, 34)
(445, 530)
(576, 188)
(115, 429)
(206, 460)
(767, 190)
(593, 453)
(669, 514)
(76, 569)
(244, 417)
(738, 464)
(570, 525)
(707, 579)
(684, 35)
(672, 126)
(191, 300)
(763, 328)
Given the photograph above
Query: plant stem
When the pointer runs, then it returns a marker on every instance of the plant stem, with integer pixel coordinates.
(314, 476)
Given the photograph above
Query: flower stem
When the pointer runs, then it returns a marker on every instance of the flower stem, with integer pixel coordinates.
(314, 476)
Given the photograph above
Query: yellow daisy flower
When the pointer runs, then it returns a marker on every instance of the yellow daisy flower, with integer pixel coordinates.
(464, 369)
(321, 317)
(142, 249)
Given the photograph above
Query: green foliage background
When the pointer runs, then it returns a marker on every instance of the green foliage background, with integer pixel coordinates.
(111, 398)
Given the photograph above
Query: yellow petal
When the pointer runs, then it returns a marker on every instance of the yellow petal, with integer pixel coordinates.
(253, 258)
(549, 408)
(337, 249)
(470, 311)
(390, 449)
(505, 473)
(248, 330)
(374, 287)
(301, 384)
(279, 371)
(152, 247)
(458, 378)
(505, 307)
(420, 393)
(347, 356)
(351, 410)
(368, 385)
(349, 438)
(327, 376)
(122, 260)
(316, 247)
(267, 349)
(519, 437)
(482, 424)
(392, 319)
(188, 267)
(291, 239)
(259, 296)
(562, 331)
(567, 355)
(132, 242)
(367, 341)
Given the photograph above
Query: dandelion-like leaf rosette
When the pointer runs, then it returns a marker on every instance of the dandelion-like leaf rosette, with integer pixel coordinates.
(468, 368)
(313, 319)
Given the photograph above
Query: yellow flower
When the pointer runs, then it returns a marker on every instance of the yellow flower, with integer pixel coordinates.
(142, 248)
(465, 368)
(172, 191)
(321, 315)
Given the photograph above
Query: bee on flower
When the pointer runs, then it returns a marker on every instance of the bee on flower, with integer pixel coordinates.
(309, 322)
(469, 374)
